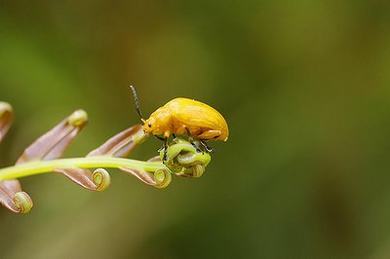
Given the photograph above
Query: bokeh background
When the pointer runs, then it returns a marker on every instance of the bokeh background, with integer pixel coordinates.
(304, 86)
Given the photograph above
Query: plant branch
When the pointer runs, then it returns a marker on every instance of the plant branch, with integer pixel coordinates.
(41, 167)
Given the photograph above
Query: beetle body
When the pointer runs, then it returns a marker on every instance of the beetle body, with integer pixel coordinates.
(183, 116)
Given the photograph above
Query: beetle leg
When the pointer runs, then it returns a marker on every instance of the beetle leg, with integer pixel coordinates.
(165, 150)
(210, 134)
(206, 147)
(188, 133)
(160, 138)
(191, 139)
(164, 147)
(195, 145)
(167, 134)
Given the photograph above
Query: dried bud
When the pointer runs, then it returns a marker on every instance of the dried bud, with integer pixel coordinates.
(142, 175)
(122, 143)
(6, 117)
(54, 143)
(13, 198)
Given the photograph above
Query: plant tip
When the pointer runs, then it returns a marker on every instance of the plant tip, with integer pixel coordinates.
(5, 107)
(101, 178)
(78, 118)
(23, 202)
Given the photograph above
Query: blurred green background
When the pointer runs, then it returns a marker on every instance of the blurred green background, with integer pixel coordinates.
(304, 86)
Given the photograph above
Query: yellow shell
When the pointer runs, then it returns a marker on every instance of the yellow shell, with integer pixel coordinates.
(183, 116)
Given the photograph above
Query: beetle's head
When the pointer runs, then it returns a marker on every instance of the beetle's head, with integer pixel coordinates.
(149, 125)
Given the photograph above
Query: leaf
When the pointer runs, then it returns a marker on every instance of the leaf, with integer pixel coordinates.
(122, 143)
(13, 198)
(6, 118)
(54, 143)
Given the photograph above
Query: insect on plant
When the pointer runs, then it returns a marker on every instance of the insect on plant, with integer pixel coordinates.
(184, 117)
(189, 122)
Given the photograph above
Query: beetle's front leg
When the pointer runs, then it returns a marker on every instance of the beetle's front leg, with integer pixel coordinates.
(205, 146)
(165, 147)
(165, 150)
(191, 139)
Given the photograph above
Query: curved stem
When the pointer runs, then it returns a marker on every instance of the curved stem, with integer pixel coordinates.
(40, 167)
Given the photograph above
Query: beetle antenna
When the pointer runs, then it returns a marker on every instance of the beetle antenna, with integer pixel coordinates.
(136, 102)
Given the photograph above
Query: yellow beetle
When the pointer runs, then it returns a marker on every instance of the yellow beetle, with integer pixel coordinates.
(183, 116)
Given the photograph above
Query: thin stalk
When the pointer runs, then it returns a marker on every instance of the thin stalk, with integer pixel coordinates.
(41, 167)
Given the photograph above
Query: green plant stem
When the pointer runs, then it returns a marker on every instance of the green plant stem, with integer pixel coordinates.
(41, 167)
